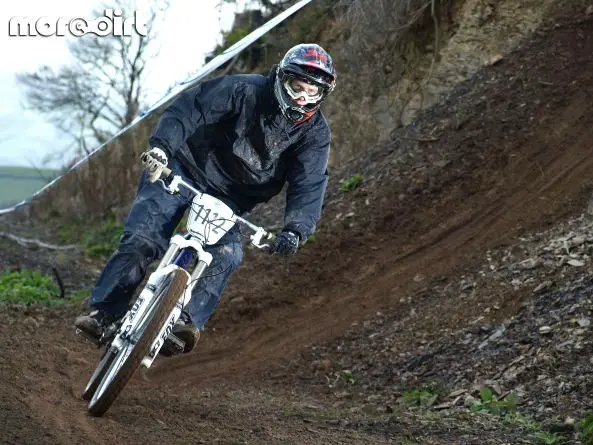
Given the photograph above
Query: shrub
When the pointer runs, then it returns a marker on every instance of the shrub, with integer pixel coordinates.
(422, 397)
(351, 183)
(27, 286)
(493, 405)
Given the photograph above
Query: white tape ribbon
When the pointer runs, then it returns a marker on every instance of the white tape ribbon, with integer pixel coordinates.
(178, 88)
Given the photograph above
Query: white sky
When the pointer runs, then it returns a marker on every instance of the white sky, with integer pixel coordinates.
(191, 30)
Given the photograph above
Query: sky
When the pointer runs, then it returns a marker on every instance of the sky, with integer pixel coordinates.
(191, 29)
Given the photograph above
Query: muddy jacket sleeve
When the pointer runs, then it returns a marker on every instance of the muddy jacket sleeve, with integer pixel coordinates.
(307, 181)
(204, 104)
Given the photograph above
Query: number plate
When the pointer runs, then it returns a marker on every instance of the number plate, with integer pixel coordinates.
(209, 218)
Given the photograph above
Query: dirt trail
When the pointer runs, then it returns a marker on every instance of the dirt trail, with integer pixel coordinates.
(513, 156)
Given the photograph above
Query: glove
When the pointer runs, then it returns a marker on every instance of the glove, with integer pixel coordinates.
(286, 243)
(155, 160)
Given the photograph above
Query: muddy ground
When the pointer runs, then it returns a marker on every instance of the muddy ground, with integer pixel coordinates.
(461, 261)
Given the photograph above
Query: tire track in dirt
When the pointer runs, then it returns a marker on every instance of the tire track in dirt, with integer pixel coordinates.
(56, 407)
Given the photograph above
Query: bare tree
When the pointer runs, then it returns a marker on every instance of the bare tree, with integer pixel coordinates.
(100, 92)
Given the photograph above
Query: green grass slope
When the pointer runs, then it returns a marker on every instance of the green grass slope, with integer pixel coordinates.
(18, 183)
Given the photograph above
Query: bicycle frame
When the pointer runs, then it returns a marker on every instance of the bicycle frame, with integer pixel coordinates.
(178, 255)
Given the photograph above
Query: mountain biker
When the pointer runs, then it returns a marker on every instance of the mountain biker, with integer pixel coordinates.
(239, 138)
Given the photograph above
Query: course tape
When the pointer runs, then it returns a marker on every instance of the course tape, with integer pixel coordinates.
(175, 90)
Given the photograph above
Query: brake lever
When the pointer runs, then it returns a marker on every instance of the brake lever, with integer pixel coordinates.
(256, 238)
(170, 182)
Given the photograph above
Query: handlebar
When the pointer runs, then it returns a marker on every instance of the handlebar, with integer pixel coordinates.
(171, 184)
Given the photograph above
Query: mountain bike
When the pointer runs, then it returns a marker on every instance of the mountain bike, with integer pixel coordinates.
(136, 339)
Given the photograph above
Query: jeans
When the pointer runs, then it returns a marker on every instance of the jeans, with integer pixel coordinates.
(153, 217)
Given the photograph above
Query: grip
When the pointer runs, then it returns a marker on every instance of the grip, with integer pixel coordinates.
(166, 172)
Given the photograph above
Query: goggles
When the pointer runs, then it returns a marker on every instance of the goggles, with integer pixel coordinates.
(295, 91)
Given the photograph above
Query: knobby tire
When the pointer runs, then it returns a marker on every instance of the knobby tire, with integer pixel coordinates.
(102, 367)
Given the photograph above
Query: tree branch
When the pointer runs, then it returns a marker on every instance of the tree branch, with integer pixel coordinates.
(100, 92)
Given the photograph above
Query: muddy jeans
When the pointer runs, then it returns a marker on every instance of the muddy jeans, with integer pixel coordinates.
(152, 220)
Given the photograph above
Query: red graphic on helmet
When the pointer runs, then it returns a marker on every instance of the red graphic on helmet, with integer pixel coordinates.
(313, 54)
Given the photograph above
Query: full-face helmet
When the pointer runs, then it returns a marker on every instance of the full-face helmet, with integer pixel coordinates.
(307, 63)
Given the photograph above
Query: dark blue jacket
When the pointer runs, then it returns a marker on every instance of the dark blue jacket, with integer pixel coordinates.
(230, 134)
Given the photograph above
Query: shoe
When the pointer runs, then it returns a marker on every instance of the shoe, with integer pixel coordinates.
(97, 325)
(183, 337)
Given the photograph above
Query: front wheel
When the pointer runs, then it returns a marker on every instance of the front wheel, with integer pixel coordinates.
(129, 357)
(102, 367)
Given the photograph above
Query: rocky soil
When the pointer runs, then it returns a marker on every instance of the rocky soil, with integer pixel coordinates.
(461, 262)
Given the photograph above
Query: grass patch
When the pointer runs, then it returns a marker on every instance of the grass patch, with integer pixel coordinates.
(32, 287)
(550, 438)
(311, 239)
(80, 295)
(489, 403)
(27, 287)
(351, 184)
(506, 409)
(585, 428)
(421, 398)
(98, 239)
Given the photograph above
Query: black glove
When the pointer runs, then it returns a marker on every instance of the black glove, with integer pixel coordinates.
(286, 243)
